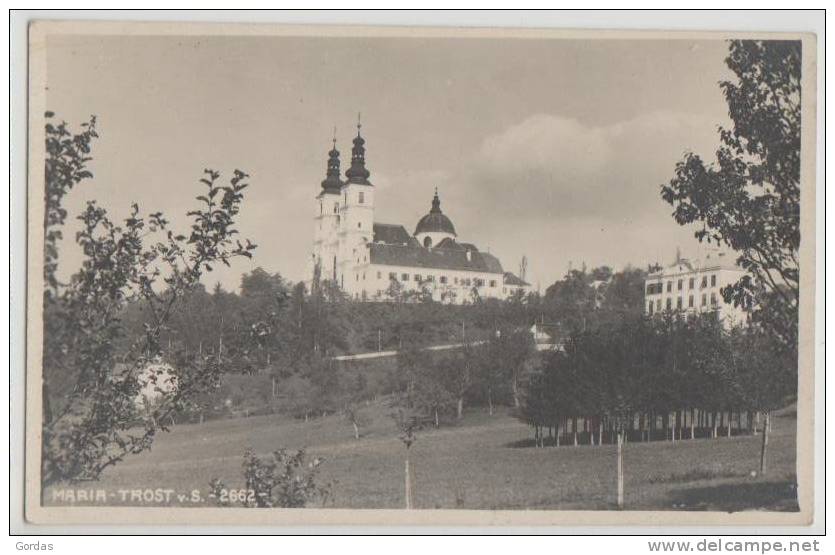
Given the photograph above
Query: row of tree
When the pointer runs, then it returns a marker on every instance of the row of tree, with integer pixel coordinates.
(653, 378)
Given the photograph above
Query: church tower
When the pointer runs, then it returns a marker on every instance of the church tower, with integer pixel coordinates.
(356, 227)
(327, 220)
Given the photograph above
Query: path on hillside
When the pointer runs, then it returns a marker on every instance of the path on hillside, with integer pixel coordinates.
(383, 354)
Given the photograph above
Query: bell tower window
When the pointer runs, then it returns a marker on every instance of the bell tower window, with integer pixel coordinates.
(361, 197)
(427, 242)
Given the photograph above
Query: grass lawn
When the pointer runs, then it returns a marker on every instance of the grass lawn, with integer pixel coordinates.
(474, 465)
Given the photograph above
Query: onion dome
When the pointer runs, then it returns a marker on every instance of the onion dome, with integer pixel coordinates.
(358, 173)
(435, 221)
(332, 183)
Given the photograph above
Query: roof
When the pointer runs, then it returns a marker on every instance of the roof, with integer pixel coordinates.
(720, 261)
(415, 256)
(450, 243)
(392, 234)
(435, 222)
(512, 279)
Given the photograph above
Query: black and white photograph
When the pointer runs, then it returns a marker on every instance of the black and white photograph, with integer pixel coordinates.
(419, 275)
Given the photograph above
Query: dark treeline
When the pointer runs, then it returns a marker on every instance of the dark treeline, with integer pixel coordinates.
(658, 378)
(283, 334)
(272, 321)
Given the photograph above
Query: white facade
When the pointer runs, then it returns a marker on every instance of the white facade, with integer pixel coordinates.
(694, 287)
(381, 262)
(374, 282)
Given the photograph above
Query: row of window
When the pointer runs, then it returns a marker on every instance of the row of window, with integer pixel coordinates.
(478, 282)
(655, 306)
(654, 288)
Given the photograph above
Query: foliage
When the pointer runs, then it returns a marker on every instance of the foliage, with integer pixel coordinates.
(286, 481)
(586, 299)
(427, 390)
(749, 199)
(91, 422)
(67, 155)
(656, 366)
(500, 364)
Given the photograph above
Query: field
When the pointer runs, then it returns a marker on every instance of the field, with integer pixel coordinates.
(475, 465)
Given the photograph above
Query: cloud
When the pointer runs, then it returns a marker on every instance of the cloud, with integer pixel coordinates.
(560, 190)
(549, 166)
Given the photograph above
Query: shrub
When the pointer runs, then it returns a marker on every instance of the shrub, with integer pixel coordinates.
(285, 481)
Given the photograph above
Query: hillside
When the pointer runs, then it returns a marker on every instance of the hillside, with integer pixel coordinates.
(475, 465)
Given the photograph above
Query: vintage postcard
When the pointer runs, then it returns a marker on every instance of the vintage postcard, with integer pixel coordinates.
(392, 275)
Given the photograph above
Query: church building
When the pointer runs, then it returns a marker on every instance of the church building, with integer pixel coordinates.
(384, 262)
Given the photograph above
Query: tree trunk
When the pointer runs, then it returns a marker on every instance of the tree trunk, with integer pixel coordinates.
(765, 443)
(514, 384)
(460, 407)
(490, 400)
(715, 426)
(652, 423)
(674, 426)
(692, 423)
(600, 431)
(273, 380)
(620, 469)
(574, 427)
(437, 421)
(356, 429)
(730, 414)
(408, 482)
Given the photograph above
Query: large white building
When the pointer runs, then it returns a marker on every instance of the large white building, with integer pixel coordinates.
(694, 287)
(376, 261)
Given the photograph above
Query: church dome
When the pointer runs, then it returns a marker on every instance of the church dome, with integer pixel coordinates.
(435, 221)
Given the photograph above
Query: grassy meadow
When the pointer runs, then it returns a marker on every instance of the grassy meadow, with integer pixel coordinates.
(476, 464)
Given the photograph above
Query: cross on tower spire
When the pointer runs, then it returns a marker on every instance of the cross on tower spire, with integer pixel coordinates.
(358, 173)
(332, 183)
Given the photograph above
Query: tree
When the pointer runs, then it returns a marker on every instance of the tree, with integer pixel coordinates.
(766, 375)
(458, 375)
(324, 378)
(353, 406)
(395, 290)
(406, 425)
(749, 199)
(625, 293)
(572, 299)
(141, 260)
(500, 364)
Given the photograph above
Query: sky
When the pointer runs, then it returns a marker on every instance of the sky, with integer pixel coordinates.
(553, 149)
